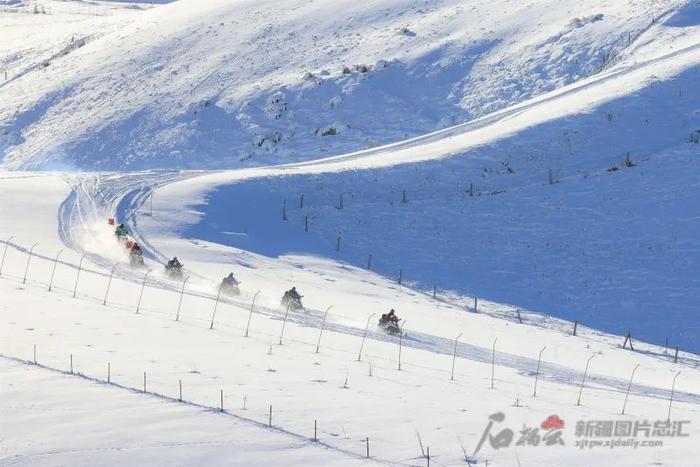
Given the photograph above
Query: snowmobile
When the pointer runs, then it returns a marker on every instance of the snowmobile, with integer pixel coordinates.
(174, 269)
(121, 233)
(292, 299)
(136, 256)
(389, 323)
(229, 286)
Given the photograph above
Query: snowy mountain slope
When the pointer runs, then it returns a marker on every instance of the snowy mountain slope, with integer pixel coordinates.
(224, 84)
(576, 202)
(481, 217)
(330, 386)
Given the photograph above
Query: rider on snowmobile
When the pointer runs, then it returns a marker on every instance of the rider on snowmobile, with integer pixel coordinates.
(121, 231)
(293, 294)
(136, 255)
(389, 317)
(230, 280)
(174, 264)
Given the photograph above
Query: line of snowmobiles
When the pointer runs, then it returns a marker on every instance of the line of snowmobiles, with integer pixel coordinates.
(230, 286)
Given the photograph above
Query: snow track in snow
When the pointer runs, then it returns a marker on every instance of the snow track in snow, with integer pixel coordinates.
(95, 198)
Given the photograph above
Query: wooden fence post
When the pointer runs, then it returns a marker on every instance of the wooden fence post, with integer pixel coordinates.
(7, 243)
(53, 271)
(179, 303)
(26, 269)
(77, 276)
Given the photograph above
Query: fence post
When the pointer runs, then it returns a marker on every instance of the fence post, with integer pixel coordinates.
(71, 363)
(476, 305)
(306, 223)
(493, 361)
(284, 211)
(179, 303)
(180, 385)
(520, 319)
(364, 336)
(144, 381)
(250, 315)
(337, 244)
(315, 431)
(109, 372)
(143, 286)
(301, 201)
(670, 401)
(216, 304)
(454, 357)
(537, 373)
(403, 197)
(340, 202)
(222, 401)
(367, 443)
(575, 326)
(675, 357)
(109, 282)
(53, 270)
(400, 276)
(35, 354)
(434, 292)
(77, 276)
(628, 338)
(323, 325)
(624, 405)
(284, 323)
(583, 380)
(269, 419)
(401, 341)
(7, 243)
(369, 263)
(26, 269)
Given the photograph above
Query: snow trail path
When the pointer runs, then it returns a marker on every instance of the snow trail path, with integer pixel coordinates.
(96, 197)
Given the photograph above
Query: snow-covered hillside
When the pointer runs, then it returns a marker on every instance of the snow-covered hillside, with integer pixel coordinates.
(222, 84)
(575, 204)
(519, 180)
(129, 350)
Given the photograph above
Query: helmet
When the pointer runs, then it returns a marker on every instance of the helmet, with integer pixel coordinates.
(294, 289)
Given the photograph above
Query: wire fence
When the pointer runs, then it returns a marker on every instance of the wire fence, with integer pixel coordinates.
(321, 324)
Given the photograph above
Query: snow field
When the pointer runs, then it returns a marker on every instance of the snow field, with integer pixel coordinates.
(109, 426)
(388, 407)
